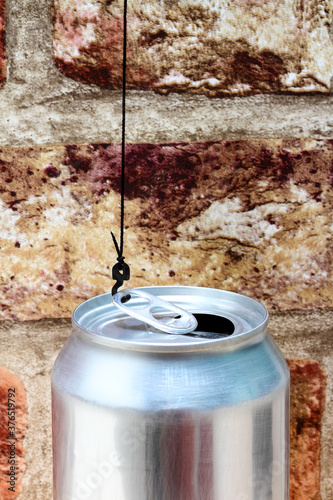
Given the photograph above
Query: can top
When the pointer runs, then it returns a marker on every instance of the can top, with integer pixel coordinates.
(225, 319)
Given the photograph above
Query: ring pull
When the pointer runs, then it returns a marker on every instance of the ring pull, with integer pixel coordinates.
(157, 312)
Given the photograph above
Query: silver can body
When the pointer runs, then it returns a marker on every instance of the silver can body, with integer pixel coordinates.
(144, 415)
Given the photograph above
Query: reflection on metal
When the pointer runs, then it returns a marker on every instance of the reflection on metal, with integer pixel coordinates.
(154, 311)
(139, 414)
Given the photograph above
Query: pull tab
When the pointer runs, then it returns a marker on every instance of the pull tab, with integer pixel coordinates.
(157, 312)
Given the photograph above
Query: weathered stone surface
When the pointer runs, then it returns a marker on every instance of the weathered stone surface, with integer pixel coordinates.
(251, 216)
(2, 43)
(307, 404)
(40, 107)
(210, 47)
(13, 425)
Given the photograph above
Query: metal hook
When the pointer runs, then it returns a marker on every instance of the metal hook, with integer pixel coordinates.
(120, 273)
(121, 270)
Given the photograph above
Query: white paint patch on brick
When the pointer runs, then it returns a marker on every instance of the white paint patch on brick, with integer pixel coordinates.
(208, 81)
(36, 199)
(299, 195)
(262, 183)
(67, 55)
(301, 265)
(240, 87)
(226, 220)
(173, 78)
(67, 210)
(89, 33)
(290, 79)
(8, 229)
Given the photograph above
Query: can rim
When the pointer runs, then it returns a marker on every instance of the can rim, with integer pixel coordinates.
(228, 343)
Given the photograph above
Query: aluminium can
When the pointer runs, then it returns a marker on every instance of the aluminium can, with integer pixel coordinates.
(140, 414)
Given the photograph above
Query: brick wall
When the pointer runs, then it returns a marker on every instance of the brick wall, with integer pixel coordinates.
(230, 176)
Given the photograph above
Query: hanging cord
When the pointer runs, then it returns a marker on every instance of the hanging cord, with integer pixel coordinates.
(121, 270)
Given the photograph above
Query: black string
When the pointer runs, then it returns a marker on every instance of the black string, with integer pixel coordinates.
(122, 209)
(121, 270)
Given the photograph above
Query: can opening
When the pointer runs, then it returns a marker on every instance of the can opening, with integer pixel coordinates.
(211, 326)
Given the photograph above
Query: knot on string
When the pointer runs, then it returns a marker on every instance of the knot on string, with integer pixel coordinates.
(121, 270)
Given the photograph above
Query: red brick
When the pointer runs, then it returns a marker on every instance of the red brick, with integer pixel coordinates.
(2, 43)
(251, 216)
(308, 383)
(212, 48)
(8, 383)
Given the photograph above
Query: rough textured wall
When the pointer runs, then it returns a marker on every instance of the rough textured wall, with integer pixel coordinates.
(39, 106)
(307, 399)
(2, 43)
(209, 47)
(207, 204)
(13, 426)
(251, 216)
